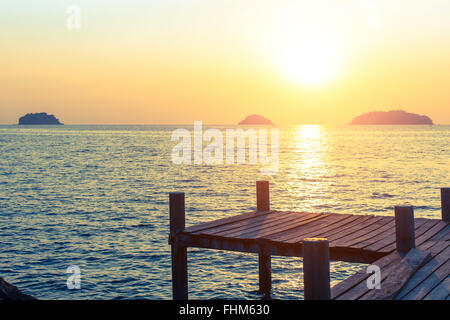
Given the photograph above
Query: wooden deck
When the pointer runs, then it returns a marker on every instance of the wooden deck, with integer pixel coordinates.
(429, 281)
(352, 238)
(412, 253)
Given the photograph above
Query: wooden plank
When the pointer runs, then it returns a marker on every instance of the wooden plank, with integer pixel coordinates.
(223, 221)
(272, 248)
(329, 218)
(398, 277)
(440, 292)
(362, 275)
(443, 235)
(247, 223)
(282, 219)
(385, 272)
(435, 247)
(426, 286)
(427, 245)
(430, 233)
(356, 228)
(387, 264)
(251, 221)
(318, 229)
(346, 228)
(282, 226)
(387, 237)
(385, 244)
(422, 235)
(361, 234)
(312, 229)
(441, 254)
(375, 235)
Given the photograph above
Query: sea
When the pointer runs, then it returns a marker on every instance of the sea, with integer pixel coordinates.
(97, 197)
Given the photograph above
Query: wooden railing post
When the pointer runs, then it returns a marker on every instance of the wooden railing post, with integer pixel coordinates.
(264, 259)
(316, 269)
(265, 273)
(404, 228)
(445, 204)
(179, 252)
(262, 196)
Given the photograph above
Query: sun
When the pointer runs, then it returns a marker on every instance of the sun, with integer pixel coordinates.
(308, 60)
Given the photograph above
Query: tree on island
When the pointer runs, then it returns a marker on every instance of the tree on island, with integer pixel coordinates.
(39, 118)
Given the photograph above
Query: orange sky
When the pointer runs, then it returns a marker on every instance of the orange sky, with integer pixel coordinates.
(179, 61)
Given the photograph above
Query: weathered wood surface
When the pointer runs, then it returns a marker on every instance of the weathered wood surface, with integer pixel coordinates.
(414, 280)
(350, 289)
(400, 275)
(352, 238)
(430, 276)
(388, 242)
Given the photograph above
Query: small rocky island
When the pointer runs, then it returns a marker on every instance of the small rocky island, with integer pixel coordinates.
(255, 119)
(39, 118)
(393, 117)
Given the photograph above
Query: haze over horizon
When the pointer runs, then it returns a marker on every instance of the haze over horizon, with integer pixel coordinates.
(210, 123)
(173, 61)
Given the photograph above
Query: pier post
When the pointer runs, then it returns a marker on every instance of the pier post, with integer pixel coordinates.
(445, 204)
(316, 269)
(265, 273)
(264, 260)
(179, 253)
(404, 228)
(262, 196)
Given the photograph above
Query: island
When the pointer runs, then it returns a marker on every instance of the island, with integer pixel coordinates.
(39, 118)
(255, 119)
(393, 117)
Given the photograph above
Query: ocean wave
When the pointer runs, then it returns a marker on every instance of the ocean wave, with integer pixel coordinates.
(377, 195)
(101, 202)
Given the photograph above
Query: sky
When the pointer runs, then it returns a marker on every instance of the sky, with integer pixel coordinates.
(176, 61)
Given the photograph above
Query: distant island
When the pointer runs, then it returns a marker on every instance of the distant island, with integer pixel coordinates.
(393, 117)
(39, 118)
(255, 119)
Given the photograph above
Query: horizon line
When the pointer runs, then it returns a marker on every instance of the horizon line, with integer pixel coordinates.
(218, 124)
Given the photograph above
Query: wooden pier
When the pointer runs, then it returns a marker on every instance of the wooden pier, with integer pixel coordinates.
(418, 246)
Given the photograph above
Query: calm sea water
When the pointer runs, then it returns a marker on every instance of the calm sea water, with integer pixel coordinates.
(97, 197)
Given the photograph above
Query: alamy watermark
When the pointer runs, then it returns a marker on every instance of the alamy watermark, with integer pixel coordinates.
(228, 146)
(374, 281)
(74, 280)
(73, 21)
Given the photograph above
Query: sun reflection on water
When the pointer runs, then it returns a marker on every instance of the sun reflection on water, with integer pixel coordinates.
(309, 165)
(309, 143)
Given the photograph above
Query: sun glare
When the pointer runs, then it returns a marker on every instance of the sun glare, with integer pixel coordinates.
(310, 61)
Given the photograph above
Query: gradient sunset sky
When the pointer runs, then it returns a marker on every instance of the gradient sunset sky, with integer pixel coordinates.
(176, 61)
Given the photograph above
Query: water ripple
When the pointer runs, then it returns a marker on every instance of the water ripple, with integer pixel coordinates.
(97, 197)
